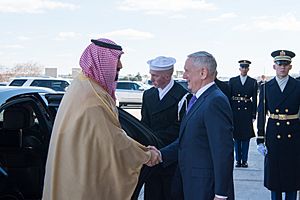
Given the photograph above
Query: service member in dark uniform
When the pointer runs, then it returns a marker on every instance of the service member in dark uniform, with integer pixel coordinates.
(243, 92)
(160, 113)
(223, 86)
(280, 143)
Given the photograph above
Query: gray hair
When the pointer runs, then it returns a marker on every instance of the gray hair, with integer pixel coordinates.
(204, 59)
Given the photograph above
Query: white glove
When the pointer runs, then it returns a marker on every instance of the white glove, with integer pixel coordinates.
(262, 149)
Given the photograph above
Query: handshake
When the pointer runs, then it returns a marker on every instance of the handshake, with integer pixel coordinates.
(155, 156)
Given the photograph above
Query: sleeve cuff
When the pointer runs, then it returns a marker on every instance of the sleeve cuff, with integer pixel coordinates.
(221, 197)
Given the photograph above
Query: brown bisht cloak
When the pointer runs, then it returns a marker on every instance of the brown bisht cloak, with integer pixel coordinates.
(90, 156)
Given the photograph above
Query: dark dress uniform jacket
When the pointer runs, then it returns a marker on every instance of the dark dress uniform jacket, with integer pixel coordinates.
(161, 116)
(224, 87)
(282, 138)
(244, 111)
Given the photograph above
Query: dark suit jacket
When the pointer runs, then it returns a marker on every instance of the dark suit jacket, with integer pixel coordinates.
(161, 116)
(204, 149)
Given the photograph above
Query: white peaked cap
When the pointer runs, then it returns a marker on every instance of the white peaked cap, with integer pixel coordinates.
(161, 63)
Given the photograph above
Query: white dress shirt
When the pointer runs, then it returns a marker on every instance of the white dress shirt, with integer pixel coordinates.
(243, 79)
(203, 89)
(282, 82)
(163, 92)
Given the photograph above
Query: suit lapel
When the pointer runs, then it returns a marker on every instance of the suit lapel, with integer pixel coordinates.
(275, 89)
(289, 88)
(194, 108)
(168, 100)
(155, 95)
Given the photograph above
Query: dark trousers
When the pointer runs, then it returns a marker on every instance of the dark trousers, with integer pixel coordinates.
(177, 186)
(241, 148)
(158, 185)
(288, 195)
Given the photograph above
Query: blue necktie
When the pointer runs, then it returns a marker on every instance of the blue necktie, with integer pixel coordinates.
(192, 101)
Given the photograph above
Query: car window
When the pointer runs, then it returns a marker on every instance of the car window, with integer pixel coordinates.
(128, 86)
(124, 86)
(18, 82)
(32, 116)
(183, 83)
(56, 85)
(136, 86)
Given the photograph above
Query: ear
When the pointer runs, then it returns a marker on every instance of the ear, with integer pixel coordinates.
(274, 67)
(204, 73)
(166, 76)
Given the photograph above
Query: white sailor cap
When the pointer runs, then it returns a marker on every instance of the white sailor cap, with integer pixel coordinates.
(161, 63)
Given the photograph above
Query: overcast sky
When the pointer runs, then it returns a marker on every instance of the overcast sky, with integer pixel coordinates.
(54, 33)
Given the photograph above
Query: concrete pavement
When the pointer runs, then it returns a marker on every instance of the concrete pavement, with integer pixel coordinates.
(248, 182)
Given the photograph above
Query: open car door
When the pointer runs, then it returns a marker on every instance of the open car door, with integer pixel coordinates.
(25, 130)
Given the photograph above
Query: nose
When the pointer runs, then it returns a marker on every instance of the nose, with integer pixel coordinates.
(152, 79)
(119, 66)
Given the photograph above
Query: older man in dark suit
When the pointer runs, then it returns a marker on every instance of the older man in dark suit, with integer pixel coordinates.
(161, 113)
(204, 149)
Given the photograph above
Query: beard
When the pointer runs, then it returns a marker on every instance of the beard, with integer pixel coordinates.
(117, 76)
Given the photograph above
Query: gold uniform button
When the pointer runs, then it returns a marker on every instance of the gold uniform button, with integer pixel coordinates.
(278, 136)
(239, 94)
(245, 95)
(278, 123)
(286, 110)
(239, 108)
(289, 135)
(277, 110)
(245, 108)
(239, 101)
(288, 123)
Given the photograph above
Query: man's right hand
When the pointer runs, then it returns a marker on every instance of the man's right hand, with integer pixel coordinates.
(155, 156)
(262, 149)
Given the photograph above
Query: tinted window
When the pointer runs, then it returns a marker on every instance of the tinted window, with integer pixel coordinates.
(125, 86)
(136, 86)
(53, 84)
(183, 84)
(18, 82)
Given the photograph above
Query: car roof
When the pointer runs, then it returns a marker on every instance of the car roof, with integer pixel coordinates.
(128, 81)
(39, 78)
(7, 92)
